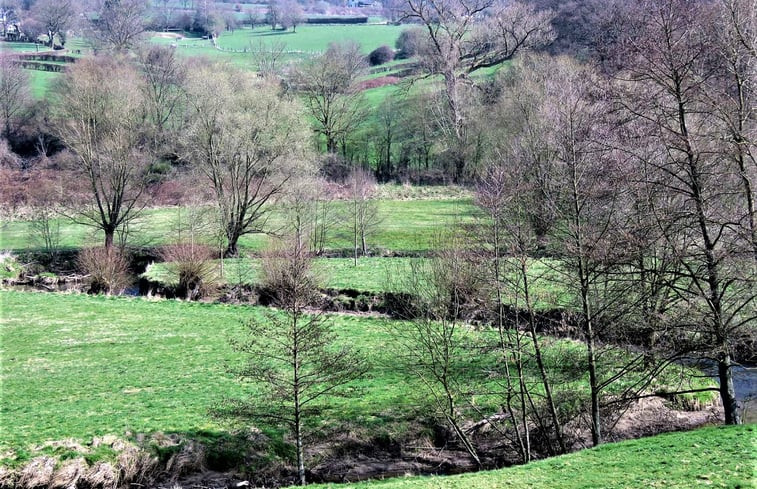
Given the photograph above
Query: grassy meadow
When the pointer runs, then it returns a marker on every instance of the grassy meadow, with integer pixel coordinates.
(77, 366)
(404, 226)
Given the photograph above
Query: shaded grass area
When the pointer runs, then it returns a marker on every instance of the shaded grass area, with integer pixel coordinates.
(76, 366)
(405, 226)
(724, 457)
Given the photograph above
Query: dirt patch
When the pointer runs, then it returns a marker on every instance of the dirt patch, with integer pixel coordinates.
(378, 82)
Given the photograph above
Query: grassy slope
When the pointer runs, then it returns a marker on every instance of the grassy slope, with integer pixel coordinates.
(724, 457)
(407, 225)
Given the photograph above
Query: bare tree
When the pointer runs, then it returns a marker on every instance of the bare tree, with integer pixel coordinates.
(731, 96)
(269, 57)
(164, 94)
(509, 240)
(590, 205)
(57, 16)
(464, 36)
(247, 141)
(99, 109)
(293, 355)
(292, 15)
(328, 85)
(273, 14)
(436, 345)
(702, 220)
(15, 98)
(363, 209)
(120, 24)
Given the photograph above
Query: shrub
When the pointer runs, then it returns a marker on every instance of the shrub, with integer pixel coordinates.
(193, 265)
(108, 269)
(409, 42)
(381, 55)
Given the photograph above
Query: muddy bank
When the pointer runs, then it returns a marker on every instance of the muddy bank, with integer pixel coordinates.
(247, 459)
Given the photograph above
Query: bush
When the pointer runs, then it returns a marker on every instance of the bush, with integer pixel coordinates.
(108, 269)
(193, 265)
(381, 55)
(409, 42)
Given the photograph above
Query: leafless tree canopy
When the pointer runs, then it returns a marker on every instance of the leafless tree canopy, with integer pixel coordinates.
(248, 142)
(99, 111)
(328, 83)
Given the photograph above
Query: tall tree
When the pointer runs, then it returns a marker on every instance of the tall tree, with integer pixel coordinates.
(15, 97)
(164, 92)
(99, 109)
(247, 140)
(731, 96)
(293, 355)
(119, 24)
(669, 64)
(57, 16)
(435, 344)
(464, 36)
(328, 84)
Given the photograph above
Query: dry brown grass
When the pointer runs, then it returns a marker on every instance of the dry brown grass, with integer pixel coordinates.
(108, 269)
(69, 474)
(38, 473)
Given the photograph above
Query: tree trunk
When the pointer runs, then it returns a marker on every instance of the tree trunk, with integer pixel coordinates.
(540, 361)
(727, 392)
(109, 236)
(231, 248)
(300, 450)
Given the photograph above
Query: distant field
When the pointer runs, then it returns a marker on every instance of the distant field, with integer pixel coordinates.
(307, 41)
(314, 38)
(41, 82)
(22, 47)
(405, 225)
(723, 457)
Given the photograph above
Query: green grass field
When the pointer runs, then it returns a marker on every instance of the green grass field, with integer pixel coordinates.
(309, 40)
(370, 274)
(22, 47)
(78, 366)
(313, 38)
(405, 225)
(724, 457)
